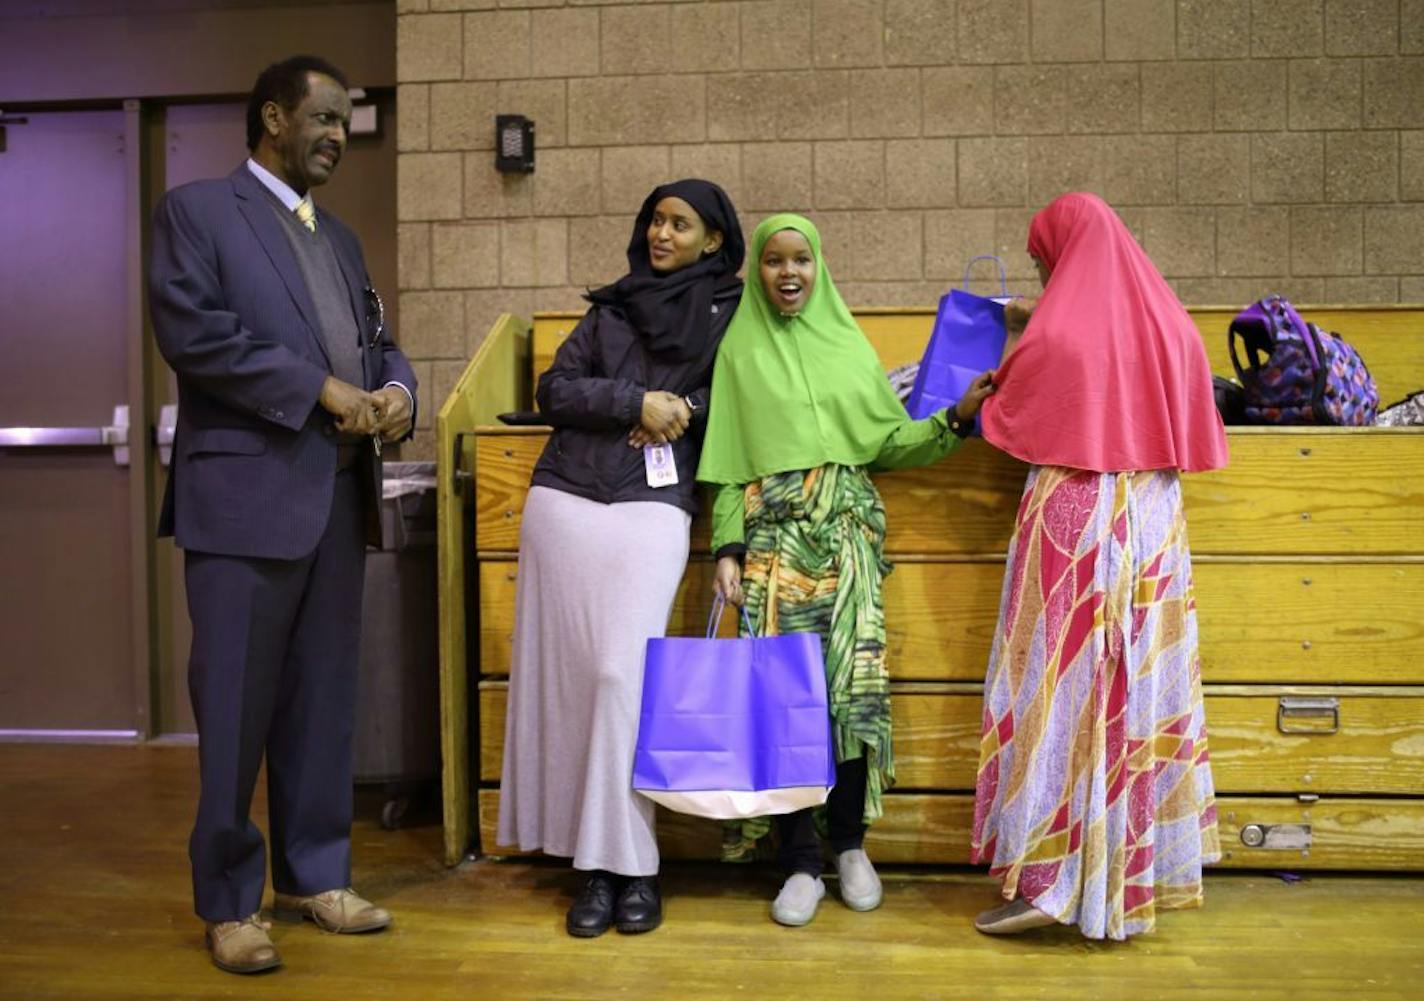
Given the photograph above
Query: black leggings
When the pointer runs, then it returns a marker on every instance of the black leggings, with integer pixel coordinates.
(845, 813)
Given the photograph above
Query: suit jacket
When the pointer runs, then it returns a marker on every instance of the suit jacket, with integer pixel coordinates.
(254, 455)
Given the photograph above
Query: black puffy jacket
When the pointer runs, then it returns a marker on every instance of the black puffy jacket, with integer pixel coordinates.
(592, 394)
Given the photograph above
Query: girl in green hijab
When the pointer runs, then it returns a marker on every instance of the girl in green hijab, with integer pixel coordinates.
(801, 412)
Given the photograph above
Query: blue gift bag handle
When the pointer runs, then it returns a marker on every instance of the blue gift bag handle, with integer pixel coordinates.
(719, 604)
(1003, 274)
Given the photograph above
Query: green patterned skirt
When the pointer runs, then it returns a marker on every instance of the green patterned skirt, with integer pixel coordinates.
(815, 563)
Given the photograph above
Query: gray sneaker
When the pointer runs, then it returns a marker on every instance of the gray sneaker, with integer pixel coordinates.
(860, 886)
(796, 904)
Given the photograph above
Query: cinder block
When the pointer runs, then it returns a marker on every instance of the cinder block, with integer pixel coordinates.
(534, 252)
(1325, 93)
(1394, 240)
(849, 175)
(1361, 166)
(1287, 28)
(1104, 98)
(567, 182)
(720, 163)
(423, 418)
(1411, 35)
(428, 47)
(465, 255)
(634, 39)
(1177, 97)
(776, 34)
(1239, 292)
(1137, 30)
(1252, 241)
(1213, 170)
(544, 101)
(1287, 167)
(1069, 31)
(428, 186)
(448, 5)
(1326, 240)
(412, 6)
(776, 177)
(1411, 288)
(567, 298)
(1030, 100)
(462, 115)
(957, 100)
(952, 238)
(1394, 93)
(413, 255)
(497, 45)
(490, 194)
(759, 106)
(705, 38)
(1411, 167)
(630, 172)
(1181, 242)
(598, 249)
(484, 306)
(884, 103)
(1140, 170)
(1362, 27)
(993, 31)
(412, 117)
(920, 33)
(1251, 95)
(627, 110)
(443, 377)
(1372, 290)
(837, 241)
(888, 246)
(993, 172)
(1213, 29)
(921, 173)
(433, 325)
(846, 33)
(565, 42)
(1057, 164)
(1011, 247)
(905, 294)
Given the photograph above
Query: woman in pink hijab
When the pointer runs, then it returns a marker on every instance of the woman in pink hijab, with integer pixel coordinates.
(1094, 802)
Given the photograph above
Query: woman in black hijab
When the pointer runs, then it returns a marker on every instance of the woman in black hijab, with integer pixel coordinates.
(603, 547)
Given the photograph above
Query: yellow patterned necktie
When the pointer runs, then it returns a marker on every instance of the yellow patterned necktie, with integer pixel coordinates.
(306, 212)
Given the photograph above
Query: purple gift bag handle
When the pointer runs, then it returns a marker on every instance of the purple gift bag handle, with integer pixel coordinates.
(719, 604)
(1003, 275)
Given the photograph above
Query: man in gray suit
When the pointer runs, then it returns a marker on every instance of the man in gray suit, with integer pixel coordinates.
(287, 384)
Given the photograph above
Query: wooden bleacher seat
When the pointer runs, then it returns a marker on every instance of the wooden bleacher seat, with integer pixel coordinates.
(1309, 558)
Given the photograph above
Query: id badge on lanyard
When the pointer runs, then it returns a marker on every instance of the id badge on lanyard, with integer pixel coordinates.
(660, 465)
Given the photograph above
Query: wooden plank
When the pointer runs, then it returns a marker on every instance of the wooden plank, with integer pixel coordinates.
(1304, 491)
(488, 385)
(1379, 749)
(1389, 338)
(1334, 623)
(921, 829)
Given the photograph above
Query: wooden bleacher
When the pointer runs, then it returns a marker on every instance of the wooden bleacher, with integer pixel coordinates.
(1309, 556)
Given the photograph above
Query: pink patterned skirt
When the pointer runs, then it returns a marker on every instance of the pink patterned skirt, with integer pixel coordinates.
(1094, 799)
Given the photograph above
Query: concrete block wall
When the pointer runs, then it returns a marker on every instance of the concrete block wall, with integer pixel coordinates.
(1251, 145)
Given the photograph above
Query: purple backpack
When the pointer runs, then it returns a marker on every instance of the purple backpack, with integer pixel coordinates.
(1298, 373)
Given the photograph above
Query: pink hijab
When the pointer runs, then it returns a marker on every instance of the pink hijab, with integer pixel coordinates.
(1110, 374)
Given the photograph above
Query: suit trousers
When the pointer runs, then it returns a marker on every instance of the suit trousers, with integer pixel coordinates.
(273, 670)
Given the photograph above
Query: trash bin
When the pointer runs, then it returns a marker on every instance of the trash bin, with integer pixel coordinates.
(397, 739)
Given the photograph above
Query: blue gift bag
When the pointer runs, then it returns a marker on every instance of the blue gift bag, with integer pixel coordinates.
(734, 728)
(968, 338)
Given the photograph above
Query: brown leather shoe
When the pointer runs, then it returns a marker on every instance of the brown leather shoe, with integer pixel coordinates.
(242, 946)
(339, 911)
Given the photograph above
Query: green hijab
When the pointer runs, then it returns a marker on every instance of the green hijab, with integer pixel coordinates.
(794, 392)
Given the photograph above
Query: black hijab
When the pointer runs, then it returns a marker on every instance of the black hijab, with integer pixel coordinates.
(672, 311)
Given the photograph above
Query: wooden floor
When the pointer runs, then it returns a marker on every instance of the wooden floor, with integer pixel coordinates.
(94, 904)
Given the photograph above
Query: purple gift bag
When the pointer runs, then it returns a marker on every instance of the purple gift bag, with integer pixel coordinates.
(967, 339)
(734, 728)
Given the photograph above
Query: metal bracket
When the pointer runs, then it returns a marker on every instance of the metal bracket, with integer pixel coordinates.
(1280, 837)
(460, 477)
(1308, 715)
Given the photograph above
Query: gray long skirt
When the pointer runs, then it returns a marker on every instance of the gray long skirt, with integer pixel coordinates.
(596, 581)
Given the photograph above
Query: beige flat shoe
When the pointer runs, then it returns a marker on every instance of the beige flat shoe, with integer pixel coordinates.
(1012, 918)
(242, 946)
(340, 911)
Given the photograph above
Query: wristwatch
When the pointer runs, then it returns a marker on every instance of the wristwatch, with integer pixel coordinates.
(961, 428)
(691, 406)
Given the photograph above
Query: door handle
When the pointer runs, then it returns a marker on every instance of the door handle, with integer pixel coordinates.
(114, 435)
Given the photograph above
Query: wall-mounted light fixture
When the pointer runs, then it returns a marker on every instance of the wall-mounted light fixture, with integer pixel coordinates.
(513, 144)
